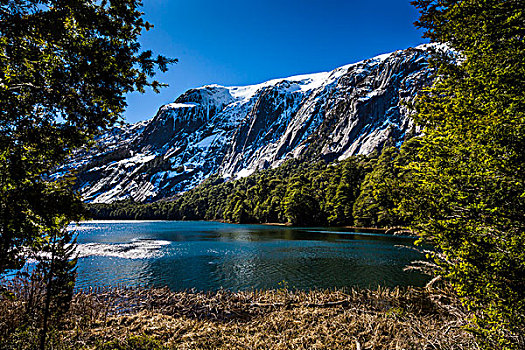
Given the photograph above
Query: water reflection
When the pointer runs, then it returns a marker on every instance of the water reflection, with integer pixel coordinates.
(209, 256)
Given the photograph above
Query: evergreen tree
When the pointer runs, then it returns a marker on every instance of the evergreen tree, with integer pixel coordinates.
(381, 191)
(299, 206)
(375, 202)
(467, 191)
(56, 267)
(347, 191)
(238, 209)
(65, 67)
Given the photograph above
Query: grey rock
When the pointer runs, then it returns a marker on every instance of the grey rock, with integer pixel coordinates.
(234, 131)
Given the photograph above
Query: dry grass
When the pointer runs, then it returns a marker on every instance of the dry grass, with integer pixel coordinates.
(277, 319)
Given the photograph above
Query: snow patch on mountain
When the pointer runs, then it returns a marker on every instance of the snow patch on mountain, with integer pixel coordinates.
(237, 130)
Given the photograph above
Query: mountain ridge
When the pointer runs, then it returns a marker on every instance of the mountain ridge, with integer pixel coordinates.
(234, 131)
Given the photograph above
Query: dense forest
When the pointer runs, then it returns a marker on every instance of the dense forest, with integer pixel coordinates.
(66, 66)
(359, 191)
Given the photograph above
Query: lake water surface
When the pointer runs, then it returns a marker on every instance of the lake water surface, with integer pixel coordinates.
(210, 255)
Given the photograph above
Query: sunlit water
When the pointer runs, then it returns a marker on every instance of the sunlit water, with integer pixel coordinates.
(209, 256)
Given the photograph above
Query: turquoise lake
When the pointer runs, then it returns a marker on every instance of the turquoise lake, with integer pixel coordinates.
(207, 256)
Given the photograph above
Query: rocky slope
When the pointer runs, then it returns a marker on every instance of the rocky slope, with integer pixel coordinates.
(233, 131)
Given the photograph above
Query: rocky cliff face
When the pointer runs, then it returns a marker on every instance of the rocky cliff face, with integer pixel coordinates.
(234, 131)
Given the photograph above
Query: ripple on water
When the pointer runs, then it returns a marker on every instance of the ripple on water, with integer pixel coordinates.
(136, 249)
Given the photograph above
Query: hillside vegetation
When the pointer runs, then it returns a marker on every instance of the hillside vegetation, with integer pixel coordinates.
(65, 68)
(351, 192)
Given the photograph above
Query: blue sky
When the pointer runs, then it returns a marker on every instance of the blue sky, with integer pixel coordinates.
(234, 42)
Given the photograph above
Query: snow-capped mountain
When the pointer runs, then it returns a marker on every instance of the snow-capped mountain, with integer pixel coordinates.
(233, 131)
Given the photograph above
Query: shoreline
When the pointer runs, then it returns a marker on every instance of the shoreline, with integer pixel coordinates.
(357, 229)
(403, 318)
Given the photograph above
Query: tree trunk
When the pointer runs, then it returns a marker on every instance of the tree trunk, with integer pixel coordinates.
(47, 304)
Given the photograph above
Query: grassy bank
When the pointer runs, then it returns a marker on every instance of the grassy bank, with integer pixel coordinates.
(277, 319)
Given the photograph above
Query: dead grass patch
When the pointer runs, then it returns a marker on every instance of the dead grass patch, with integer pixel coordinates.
(360, 319)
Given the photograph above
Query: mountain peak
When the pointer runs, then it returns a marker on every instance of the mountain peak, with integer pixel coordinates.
(236, 130)
(305, 82)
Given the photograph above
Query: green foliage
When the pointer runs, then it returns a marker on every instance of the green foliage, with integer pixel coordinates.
(467, 192)
(37, 300)
(383, 189)
(136, 342)
(295, 193)
(65, 66)
(299, 206)
(375, 204)
(57, 269)
(28, 338)
(22, 338)
(238, 208)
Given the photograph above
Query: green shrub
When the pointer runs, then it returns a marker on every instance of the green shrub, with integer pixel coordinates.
(135, 342)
